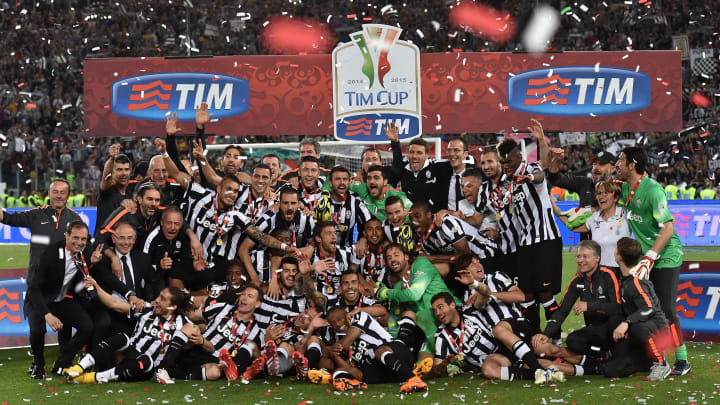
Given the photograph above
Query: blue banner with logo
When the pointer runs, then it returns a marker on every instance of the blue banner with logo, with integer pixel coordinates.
(9, 234)
(698, 296)
(697, 222)
(12, 294)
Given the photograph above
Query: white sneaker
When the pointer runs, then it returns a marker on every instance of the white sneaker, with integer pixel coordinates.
(542, 377)
(162, 377)
(556, 375)
(659, 371)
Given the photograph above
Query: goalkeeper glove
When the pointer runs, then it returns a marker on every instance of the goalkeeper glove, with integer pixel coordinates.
(642, 271)
(381, 292)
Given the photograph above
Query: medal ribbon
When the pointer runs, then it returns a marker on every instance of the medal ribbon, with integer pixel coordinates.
(218, 228)
(632, 193)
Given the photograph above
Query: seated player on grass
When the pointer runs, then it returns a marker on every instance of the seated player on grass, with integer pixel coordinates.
(227, 340)
(594, 292)
(465, 342)
(353, 301)
(374, 357)
(158, 329)
(643, 334)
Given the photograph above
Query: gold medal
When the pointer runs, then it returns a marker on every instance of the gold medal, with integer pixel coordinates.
(162, 349)
(498, 216)
(620, 222)
(397, 310)
(234, 353)
(219, 241)
(510, 210)
(460, 357)
(330, 290)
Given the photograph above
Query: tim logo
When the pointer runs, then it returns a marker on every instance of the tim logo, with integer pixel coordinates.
(579, 91)
(697, 302)
(10, 306)
(150, 97)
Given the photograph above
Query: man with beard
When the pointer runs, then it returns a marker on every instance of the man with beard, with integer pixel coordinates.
(453, 237)
(412, 287)
(115, 185)
(285, 320)
(252, 200)
(310, 185)
(652, 225)
(325, 261)
(169, 251)
(344, 208)
(218, 226)
(397, 227)
(375, 192)
(229, 342)
(603, 169)
(353, 301)
(373, 269)
(598, 292)
(374, 356)
(158, 328)
(463, 337)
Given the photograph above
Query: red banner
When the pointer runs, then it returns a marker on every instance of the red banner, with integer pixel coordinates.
(461, 92)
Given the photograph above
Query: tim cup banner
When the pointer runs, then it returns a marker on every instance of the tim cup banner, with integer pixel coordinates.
(375, 78)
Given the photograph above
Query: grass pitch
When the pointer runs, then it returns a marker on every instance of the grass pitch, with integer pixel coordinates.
(701, 386)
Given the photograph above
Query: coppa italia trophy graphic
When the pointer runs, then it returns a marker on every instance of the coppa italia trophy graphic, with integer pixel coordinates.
(376, 80)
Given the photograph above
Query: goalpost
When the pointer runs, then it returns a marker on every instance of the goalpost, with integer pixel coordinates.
(344, 153)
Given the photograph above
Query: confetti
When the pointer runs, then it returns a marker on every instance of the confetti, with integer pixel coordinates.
(483, 21)
(540, 29)
(286, 35)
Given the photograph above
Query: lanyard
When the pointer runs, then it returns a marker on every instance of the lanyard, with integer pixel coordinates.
(236, 324)
(307, 197)
(406, 280)
(427, 234)
(461, 338)
(80, 264)
(251, 206)
(219, 229)
(162, 332)
(632, 193)
(378, 257)
(339, 216)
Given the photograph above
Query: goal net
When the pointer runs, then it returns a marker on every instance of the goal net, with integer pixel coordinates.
(334, 153)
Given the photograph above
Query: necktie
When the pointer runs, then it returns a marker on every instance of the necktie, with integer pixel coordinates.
(458, 192)
(126, 272)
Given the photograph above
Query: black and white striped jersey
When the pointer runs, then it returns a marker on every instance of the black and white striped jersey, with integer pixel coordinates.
(228, 227)
(223, 292)
(439, 241)
(330, 283)
(308, 196)
(153, 333)
(471, 336)
(225, 331)
(496, 310)
(347, 215)
(301, 228)
(373, 266)
(492, 200)
(281, 310)
(260, 259)
(404, 235)
(252, 208)
(372, 336)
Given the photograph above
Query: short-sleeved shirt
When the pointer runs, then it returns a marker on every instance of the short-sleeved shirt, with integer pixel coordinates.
(647, 212)
(607, 233)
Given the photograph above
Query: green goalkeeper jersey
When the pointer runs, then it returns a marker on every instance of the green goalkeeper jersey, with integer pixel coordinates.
(647, 212)
(377, 207)
(415, 294)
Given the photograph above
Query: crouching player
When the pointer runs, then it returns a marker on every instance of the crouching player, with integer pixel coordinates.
(374, 356)
(640, 335)
(157, 329)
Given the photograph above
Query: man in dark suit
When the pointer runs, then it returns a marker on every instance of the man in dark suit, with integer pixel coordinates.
(136, 283)
(53, 298)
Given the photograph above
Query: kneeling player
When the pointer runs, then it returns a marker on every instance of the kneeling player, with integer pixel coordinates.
(157, 329)
(353, 301)
(637, 336)
(375, 357)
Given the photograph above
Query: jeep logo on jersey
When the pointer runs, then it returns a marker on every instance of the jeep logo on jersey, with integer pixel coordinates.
(150, 97)
(578, 91)
(376, 80)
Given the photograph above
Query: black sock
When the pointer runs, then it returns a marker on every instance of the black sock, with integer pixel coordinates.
(392, 361)
(173, 351)
(530, 312)
(550, 307)
(523, 352)
(313, 356)
(243, 359)
(194, 373)
(520, 373)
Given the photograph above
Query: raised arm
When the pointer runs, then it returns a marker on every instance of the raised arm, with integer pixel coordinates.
(106, 181)
(536, 130)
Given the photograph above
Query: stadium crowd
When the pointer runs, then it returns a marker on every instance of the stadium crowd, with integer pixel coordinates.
(41, 114)
(394, 273)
